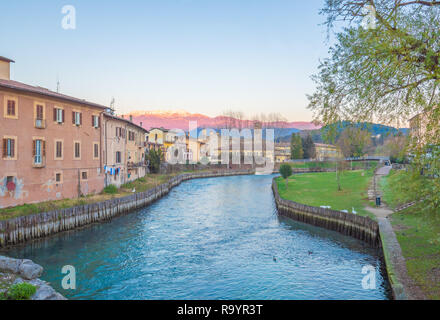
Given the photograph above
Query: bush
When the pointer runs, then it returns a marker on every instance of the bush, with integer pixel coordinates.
(21, 291)
(286, 172)
(111, 189)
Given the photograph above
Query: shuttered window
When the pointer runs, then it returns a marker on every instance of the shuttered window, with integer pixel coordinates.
(77, 118)
(39, 151)
(58, 115)
(96, 150)
(96, 122)
(77, 150)
(9, 148)
(118, 157)
(39, 112)
(11, 108)
(59, 149)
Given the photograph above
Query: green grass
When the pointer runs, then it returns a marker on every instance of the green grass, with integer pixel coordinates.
(331, 164)
(418, 234)
(21, 291)
(321, 189)
(391, 185)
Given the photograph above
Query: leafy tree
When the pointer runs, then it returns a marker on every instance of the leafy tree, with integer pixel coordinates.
(386, 73)
(296, 148)
(354, 141)
(286, 172)
(309, 149)
(154, 159)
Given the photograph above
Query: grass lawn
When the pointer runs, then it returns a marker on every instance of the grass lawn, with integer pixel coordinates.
(321, 189)
(331, 164)
(418, 233)
(141, 185)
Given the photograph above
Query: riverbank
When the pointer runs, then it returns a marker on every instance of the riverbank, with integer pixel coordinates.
(321, 189)
(19, 280)
(28, 227)
(417, 232)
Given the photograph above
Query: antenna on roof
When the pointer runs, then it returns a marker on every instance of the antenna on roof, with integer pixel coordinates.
(58, 84)
(112, 106)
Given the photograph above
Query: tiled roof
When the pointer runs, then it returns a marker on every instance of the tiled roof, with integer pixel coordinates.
(124, 120)
(15, 85)
(6, 59)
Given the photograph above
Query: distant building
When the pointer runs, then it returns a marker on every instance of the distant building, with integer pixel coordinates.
(282, 152)
(327, 152)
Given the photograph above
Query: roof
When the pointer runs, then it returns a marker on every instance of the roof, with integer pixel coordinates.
(124, 120)
(6, 59)
(15, 85)
(161, 129)
(325, 145)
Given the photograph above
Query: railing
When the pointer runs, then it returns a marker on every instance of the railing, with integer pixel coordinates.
(136, 164)
(39, 162)
(40, 123)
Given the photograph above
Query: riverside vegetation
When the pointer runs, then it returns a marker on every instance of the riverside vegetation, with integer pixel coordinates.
(418, 233)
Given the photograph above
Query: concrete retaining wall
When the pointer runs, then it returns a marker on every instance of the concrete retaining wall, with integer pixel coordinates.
(362, 228)
(22, 229)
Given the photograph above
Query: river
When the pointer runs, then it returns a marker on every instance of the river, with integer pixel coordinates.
(216, 238)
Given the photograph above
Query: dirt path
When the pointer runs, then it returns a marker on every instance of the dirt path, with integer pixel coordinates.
(404, 287)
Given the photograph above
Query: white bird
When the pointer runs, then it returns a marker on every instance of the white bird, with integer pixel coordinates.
(134, 190)
(353, 211)
(345, 211)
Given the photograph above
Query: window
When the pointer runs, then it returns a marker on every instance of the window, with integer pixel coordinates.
(96, 121)
(58, 177)
(39, 151)
(58, 115)
(39, 116)
(77, 150)
(118, 157)
(58, 150)
(76, 118)
(83, 175)
(95, 150)
(9, 148)
(10, 107)
(120, 132)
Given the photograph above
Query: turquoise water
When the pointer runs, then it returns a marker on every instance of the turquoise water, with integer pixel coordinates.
(218, 238)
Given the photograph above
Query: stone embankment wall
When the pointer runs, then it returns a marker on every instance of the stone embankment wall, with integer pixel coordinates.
(362, 228)
(25, 228)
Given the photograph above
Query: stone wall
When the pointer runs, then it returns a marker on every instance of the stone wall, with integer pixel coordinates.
(25, 228)
(362, 228)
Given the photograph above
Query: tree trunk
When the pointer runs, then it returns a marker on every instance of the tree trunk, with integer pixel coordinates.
(287, 183)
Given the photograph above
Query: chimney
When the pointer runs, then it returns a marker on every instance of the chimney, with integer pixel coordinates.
(131, 118)
(5, 68)
(140, 124)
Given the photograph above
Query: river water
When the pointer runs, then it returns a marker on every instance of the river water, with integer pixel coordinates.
(217, 238)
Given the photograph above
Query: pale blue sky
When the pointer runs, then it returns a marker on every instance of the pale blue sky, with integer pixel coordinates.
(202, 56)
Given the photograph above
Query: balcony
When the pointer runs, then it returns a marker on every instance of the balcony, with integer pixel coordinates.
(40, 123)
(39, 162)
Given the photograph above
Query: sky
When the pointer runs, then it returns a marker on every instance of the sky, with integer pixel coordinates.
(202, 56)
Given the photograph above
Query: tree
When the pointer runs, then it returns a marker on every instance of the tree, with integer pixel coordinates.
(341, 166)
(296, 148)
(309, 149)
(154, 159)
(353, 142)
(387, 72)
(286, 172)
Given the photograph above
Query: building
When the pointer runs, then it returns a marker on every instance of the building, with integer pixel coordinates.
(156, 140)
(327, 152)
(282, 152)
(51, 143)
(124, 150)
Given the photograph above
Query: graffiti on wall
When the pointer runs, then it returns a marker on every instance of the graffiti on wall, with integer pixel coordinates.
(13, 189)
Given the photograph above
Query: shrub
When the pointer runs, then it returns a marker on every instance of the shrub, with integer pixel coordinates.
(286, 172)
(111, 189)
(21, 291)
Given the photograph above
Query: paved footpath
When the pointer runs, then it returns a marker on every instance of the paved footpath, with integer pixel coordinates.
(404, 287)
